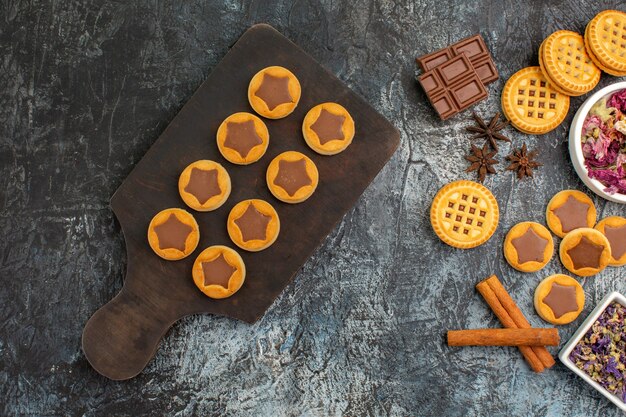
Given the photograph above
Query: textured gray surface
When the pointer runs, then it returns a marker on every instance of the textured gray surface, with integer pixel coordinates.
(86, 87)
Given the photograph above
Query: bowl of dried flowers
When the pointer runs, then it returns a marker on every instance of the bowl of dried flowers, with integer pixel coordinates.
(597, 142)
(597, 350)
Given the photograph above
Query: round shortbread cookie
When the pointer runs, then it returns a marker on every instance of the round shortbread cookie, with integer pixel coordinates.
(565, 62)
(464, 214)
(531, 104)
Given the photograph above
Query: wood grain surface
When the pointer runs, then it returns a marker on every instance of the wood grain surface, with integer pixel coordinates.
(122, 336)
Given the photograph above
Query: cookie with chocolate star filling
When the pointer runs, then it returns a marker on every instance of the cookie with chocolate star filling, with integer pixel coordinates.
(559, 299)
(328, 128)
(173, 234)
(292, 177)
(614, 228)
(218, 271)
(528, 246)
(242, 138)
(585, 252)
(204, 185)
(569, 210)
(253, 225)
(274, 92)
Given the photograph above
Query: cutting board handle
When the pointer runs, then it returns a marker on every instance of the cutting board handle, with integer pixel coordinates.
(123, 335)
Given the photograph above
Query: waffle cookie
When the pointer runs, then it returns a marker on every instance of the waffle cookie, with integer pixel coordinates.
(173, 234)
(614, 228)
(569, 210)
(559, 299)
(218, 271)
(585, 252)
(464, 214)
(528, 246)
(566, 64)
(531, 104)
(605, 37)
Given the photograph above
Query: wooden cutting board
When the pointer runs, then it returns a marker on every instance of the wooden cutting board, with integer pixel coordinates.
(122, 336)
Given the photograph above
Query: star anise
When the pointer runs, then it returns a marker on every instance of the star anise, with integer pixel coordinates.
(482, 161)
(523, 162)
(489, 131)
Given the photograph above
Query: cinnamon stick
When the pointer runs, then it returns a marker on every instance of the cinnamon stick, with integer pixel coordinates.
(504, 337)
(496, 306)
(518, 317)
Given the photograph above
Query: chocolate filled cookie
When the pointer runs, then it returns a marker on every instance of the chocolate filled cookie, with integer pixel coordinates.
(204, 185)
(292, 177)
(253, 225)
(585, 251)
(173, 234)
(569, 210)
(559, 299)
(614, 228)
(274, 92)
(528, 246)
(242, 138)
(328, 128)
(219, 271)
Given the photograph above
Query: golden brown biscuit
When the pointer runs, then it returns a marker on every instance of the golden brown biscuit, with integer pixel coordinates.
(204, 185)
(464, 214)
(585, 251)
(528, 246)
(559, 299)
(566, 64)
(292, 177)
(605, 36)
(595, 59)
(569, 210)
(242, 138)
(328, 128)
(274, 92)
(531, 103)
(173, 234)
(614, 228)
(219, 271)
(253, 225)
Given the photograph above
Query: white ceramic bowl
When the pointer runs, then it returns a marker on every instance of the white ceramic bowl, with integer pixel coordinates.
(575, 146)
(584, 327)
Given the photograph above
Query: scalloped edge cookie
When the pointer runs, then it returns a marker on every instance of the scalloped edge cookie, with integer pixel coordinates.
(438, 213)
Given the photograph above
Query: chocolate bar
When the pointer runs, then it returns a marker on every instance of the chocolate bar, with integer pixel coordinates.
(453, 86)
(476, 51)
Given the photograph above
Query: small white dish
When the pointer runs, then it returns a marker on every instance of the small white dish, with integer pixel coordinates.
(584, 327)
(575, 145)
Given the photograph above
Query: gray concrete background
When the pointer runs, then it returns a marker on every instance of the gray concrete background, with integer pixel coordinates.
(85, 89)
